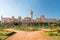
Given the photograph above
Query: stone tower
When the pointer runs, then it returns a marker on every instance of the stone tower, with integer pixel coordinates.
(1, 19)
(31, 14)
(13, 18)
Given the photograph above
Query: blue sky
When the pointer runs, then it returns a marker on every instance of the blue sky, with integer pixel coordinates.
(50, 8)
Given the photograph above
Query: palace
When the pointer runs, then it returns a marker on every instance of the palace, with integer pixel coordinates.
(28, 19)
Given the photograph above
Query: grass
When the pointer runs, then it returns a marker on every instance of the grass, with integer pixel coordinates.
(53, 34)
(46, 31)
(55, 37)
(27, 28)
(4, 34)
(3, 37)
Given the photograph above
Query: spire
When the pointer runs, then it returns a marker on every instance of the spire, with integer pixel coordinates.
(31, 14)
(1, 16)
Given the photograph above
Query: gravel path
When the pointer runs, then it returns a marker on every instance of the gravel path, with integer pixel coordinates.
(24, 35)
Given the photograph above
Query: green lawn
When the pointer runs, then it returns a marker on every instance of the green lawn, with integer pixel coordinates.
(53, 34)
(4, 34)
(3, 37)
(55, 37)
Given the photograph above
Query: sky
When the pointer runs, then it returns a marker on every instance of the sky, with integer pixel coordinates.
(49, 8)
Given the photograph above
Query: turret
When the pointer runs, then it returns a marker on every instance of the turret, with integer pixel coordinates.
(31, 14)
(13, 18)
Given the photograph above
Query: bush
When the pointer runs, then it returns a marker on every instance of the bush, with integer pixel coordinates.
(52, 34)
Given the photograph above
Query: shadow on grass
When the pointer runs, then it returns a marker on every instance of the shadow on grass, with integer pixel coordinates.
(10, 34)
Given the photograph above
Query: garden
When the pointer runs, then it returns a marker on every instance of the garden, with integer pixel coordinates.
(52, 29)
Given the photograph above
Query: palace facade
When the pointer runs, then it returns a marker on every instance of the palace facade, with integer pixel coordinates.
(28, 19)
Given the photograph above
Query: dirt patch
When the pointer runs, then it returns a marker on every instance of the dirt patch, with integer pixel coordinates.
(32, 35)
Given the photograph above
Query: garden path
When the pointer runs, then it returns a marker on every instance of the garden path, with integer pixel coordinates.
(27, 35)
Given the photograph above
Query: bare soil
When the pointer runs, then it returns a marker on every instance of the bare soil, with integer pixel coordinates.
(28, 35)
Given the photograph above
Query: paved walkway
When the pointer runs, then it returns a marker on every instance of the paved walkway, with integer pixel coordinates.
(24, 35)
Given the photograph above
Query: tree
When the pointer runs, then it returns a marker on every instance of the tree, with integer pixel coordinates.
(53, 25)
(58, 23)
